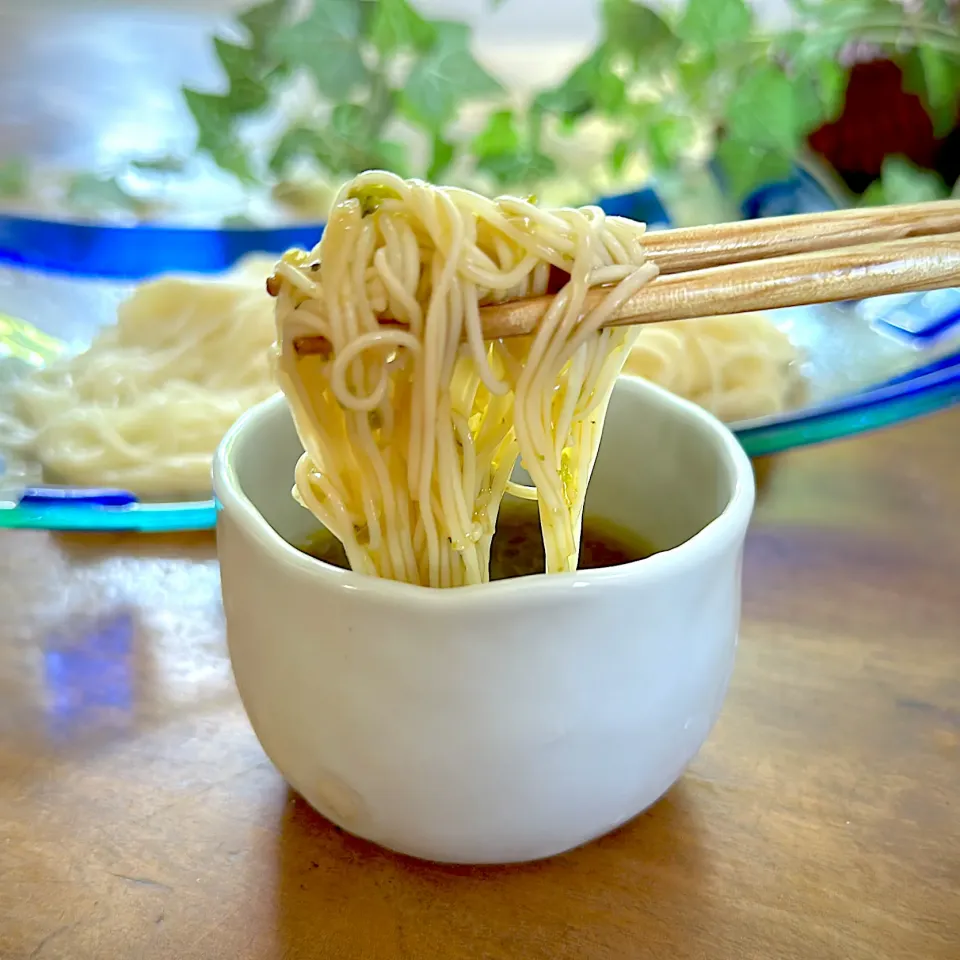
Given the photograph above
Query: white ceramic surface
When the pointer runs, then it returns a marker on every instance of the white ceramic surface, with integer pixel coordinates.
(502, 722)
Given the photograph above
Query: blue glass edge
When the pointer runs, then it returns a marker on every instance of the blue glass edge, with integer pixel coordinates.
(137, 252)
(943, 363)
(144, 250)
(926, 336)
(843, 423)
(143, 517)
(896, 400)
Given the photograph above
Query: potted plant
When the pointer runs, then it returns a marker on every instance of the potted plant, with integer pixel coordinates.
(864, 93)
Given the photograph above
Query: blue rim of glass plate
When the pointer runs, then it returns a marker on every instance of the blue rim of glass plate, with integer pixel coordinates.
(110, 252)
(927, 389)
(134, 253)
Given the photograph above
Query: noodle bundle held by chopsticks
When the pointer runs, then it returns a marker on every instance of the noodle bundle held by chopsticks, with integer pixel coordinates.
(410, 422)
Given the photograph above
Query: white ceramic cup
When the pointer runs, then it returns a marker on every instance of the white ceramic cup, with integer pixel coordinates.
(505, 721)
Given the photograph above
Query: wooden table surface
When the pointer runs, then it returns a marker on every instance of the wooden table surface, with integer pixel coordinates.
(139, 817)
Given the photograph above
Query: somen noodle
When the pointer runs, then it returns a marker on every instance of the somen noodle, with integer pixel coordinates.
(737, 367)
(411, 428)
(145, 406)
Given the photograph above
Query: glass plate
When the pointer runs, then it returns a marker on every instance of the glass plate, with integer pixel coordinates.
(866, 364)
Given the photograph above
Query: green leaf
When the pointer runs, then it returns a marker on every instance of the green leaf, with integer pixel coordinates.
(440, 159)
(610, 92)
(832, 88)
(874, 195)
(397, 26)
(349, 121)
(247, 91)
(444, 78)
(535, 125)
(668, 139)
(328, 148)
(592, 85)
(902, 182)
(390, 155)
(296, 142)
(934, 76)
(214, 116)
(163, 164)
(715, 23)
(262, 21)
(90, 192)
(380, 104)
(818, 93)
(355, 145)
(811, 61)
(518, 170)
(747, 166)
(327, 44)
(345, 147)
(696, 73)
(631, 28)
(232, 156)
(14, 177)
(211, 113)
(619, 155)
(236, 60)
(814, 44)
(763, 110)
(499, 137)
(500, 151)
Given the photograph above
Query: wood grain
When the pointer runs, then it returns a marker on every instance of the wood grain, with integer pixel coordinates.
(850, 273)
(139, 817)
(695, 248)
(831, 276)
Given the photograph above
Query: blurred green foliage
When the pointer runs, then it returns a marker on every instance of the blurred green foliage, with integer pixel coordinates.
(702, 81)
(662, 81)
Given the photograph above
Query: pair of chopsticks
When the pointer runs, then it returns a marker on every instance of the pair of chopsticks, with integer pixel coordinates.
(769, 264)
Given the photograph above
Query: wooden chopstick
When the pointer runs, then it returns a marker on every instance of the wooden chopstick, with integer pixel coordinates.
(766, 265)
(849, 273)
(695, 248)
